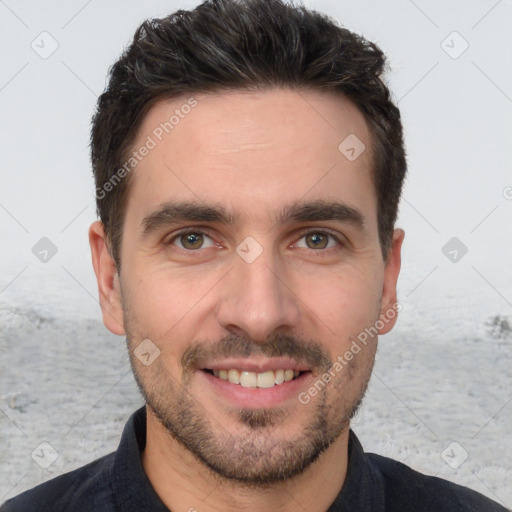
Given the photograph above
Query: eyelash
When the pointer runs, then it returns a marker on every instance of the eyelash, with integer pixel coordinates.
(325, 233)
(302, 235)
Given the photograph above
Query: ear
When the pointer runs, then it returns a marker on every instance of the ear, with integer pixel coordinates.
(390, 307)
(108, 280)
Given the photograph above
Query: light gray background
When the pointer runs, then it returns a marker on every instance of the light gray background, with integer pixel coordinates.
(442, 375)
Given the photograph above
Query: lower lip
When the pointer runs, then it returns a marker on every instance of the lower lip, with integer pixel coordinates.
(257, 398)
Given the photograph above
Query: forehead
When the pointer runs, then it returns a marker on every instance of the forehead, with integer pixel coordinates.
(253, 151)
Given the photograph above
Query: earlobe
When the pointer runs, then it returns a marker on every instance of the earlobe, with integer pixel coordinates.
(389, 302)
(107, 279)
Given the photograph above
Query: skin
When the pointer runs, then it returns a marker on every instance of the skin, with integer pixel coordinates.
(254, 153)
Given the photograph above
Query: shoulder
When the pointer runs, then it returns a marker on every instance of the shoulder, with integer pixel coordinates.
(405, 487)
(84, 489)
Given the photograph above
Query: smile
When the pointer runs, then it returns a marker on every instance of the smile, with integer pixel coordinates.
(248, 379)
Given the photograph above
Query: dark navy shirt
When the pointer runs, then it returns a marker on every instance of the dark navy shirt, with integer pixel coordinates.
(117, 482)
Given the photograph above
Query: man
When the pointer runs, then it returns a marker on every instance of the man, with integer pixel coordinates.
(248, 164)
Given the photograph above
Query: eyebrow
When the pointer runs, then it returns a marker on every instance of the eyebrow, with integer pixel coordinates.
(321, 210)
(313, 211)
(175, 212)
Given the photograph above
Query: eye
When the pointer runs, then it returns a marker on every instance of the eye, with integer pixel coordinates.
(192, 240)
(317, 240)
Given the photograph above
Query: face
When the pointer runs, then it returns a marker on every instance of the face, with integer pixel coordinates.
(250, 266)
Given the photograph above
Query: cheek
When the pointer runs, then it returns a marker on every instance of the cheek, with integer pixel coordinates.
(163, 301)
(346, 303)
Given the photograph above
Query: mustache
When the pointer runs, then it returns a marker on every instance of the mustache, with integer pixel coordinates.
(310, 352)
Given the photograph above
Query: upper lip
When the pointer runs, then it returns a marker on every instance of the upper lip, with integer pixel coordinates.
(256, 365)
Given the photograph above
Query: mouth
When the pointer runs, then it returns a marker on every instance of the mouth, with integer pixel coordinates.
(251, 379)
(254, 383)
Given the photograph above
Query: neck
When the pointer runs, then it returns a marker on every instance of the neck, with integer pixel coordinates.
(184, 483)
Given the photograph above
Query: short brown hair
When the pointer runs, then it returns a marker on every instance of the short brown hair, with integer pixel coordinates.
(230, 44)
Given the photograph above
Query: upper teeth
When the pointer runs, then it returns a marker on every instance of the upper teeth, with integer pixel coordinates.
(256, 380)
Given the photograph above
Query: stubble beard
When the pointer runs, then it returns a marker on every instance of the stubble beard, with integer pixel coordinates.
(253, 457)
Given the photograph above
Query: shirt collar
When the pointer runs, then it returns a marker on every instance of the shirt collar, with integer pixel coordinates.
(362, 490)
(132, 489)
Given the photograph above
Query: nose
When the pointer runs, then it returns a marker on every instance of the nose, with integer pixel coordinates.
(256, 299)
